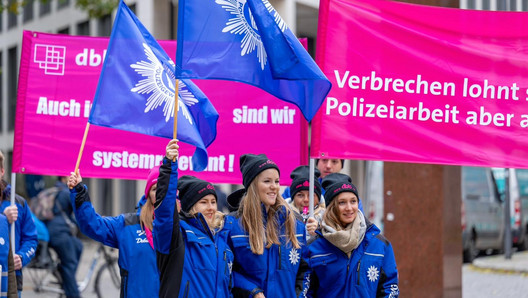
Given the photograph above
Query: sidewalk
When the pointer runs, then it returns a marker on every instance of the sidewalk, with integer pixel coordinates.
(518, 264)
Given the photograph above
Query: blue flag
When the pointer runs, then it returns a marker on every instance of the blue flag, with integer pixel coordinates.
(137, 87)
(247, 41)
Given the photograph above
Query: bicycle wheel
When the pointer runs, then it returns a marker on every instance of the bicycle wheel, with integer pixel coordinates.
(107, 281)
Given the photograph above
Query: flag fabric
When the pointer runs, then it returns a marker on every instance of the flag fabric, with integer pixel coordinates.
(247, 41)
(137, 87)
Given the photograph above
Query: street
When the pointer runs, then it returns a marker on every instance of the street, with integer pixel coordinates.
(486, 283)
(89, 250)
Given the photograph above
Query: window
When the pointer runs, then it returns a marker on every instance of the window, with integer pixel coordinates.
(65, 30)
(63, 4)
(128, 195)
(83, 28)
(12, 66)
(104, 27)
(45, 8)
(11, 17)
(476, 183)
(28, 11)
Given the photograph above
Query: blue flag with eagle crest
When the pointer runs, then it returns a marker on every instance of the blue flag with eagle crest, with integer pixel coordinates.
(247, 41)
(136, 91)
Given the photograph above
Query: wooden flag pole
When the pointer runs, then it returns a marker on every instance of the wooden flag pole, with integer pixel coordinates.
(82, 147)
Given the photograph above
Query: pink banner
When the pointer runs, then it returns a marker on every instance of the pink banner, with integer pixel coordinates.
(58, 78)
(422, 84)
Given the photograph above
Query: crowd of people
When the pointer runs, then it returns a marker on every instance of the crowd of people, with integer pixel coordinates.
(178, 242)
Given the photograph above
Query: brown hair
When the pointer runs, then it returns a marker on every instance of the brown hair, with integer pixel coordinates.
(1, 160)
(253, 223)
(146, 217)
(331, 216)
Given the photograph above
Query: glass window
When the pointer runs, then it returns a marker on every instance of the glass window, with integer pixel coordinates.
(45, 8)
(471, 4)
(83, 28)
(11, 17)
(28, 11)
(104, 27)
(63, 4)
(522, 178)
(12, 66)
(524, 5)
(64, 30)
(1, 20)
(128, 195)
(475, 182)
(486, 4)
(513, 5)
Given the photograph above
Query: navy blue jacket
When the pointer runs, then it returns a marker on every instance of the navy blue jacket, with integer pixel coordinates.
(280, 271)
(192, 261)
(25, 231)
(137, 259)
(369, 272)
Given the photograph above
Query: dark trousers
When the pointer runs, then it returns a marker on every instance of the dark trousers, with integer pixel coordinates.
(69, 250)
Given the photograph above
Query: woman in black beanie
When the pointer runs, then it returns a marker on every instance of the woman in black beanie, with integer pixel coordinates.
(267, 240)
(348, 240)
(194, 258)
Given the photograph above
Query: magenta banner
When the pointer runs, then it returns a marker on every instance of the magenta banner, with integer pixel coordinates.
(422, 84)
(58, 78)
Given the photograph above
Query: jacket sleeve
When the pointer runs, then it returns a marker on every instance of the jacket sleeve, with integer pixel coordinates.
(168, 239)
(302, 280)
(93, 225)
(28, 234)
(243, 287)
(388, 285)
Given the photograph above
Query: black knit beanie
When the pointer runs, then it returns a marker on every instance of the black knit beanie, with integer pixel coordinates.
(301, 180)
(191, 190)
(337, 183)
(251, 165)
(234, 198)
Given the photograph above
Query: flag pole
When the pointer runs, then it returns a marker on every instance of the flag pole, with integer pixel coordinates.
(311, 179)
(176, 108)
(13, 194)
(82, 147)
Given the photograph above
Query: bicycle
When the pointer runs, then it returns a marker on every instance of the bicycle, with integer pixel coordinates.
(46, 277)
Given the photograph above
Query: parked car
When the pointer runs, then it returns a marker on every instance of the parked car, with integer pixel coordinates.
(518, 231)
(482, 213)
(522, 179)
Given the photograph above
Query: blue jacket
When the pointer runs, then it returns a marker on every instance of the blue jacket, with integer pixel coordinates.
(25, 231)
(137, 259)
(369, 272)
(4, 253)
(188, 252)
(280, 271)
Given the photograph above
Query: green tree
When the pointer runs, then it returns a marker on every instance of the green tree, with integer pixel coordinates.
(94, 8)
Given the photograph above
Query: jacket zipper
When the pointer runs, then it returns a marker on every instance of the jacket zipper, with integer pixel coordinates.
(280, 265)
(187, 289)
(358, 267)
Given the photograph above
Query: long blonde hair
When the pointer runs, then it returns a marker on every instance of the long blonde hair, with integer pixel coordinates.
(331, 216)
(252, 221)
(146, 217)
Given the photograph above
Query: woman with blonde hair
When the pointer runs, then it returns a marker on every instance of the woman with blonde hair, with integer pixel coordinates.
(268, 241)
(361, 261)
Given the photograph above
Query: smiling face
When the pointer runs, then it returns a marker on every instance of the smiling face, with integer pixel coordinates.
(268, 185)
(207, 207)
(347, 207)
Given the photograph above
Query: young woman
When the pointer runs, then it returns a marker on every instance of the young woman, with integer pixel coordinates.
(194, 258)
(360, 259)
(299, 190)
(267, 239)
(131, 233)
